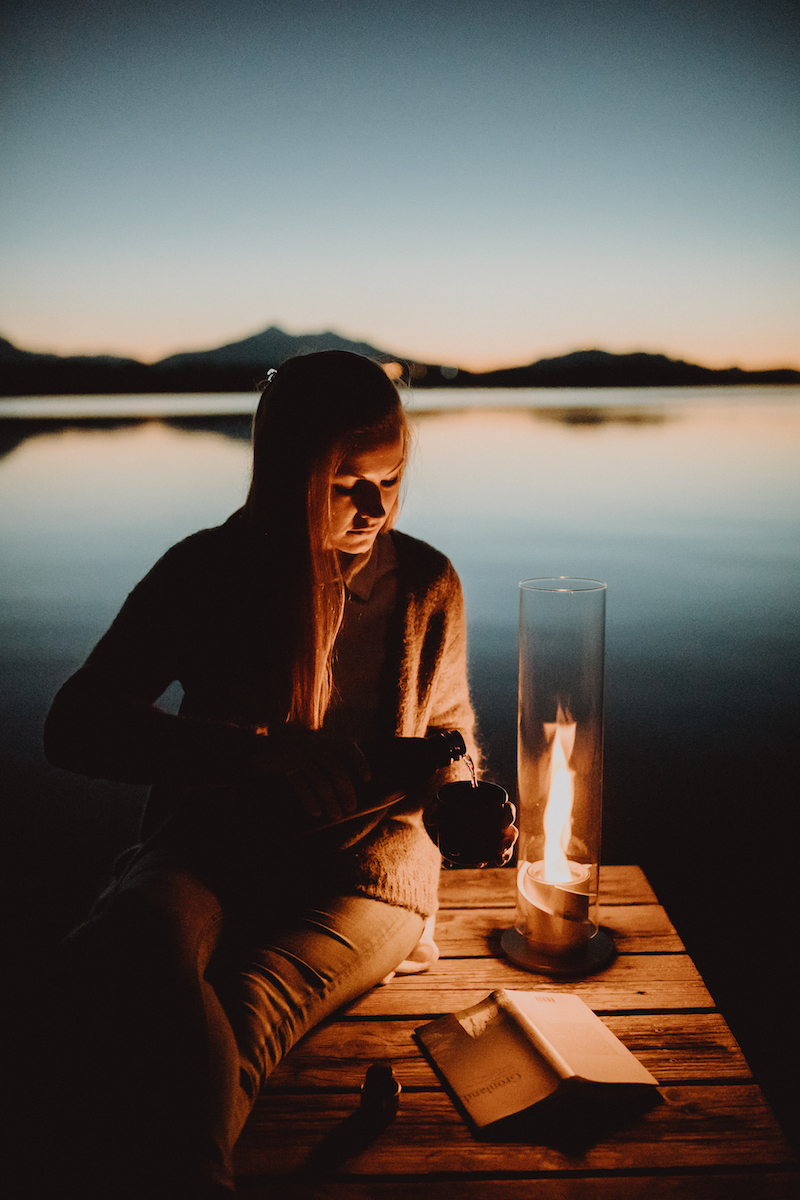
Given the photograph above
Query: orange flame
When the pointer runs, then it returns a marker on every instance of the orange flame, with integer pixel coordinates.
(558, 810)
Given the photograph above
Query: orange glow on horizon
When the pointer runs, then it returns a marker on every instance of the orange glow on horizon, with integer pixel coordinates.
(150, 354)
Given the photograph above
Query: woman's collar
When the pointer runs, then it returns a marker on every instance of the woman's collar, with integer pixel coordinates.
(362, 571)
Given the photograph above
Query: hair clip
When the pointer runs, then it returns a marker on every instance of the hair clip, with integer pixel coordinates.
(271, 373)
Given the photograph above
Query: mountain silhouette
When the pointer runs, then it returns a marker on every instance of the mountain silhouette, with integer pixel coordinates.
(272, 347)
(599, 368)
(240, 367)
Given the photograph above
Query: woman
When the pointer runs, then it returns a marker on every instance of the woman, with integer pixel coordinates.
(260, 897)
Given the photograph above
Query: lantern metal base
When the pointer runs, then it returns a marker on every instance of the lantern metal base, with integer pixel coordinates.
(591, 957)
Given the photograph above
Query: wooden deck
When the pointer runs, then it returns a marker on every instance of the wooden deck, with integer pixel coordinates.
(712, 1136)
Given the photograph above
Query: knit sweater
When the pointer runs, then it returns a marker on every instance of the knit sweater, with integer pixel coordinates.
(195, 618)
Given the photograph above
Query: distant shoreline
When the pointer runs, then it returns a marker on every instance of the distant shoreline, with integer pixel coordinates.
(19, 381)
(242, 366)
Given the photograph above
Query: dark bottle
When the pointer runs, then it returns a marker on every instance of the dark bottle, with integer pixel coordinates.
(401, 765)
(473, 826)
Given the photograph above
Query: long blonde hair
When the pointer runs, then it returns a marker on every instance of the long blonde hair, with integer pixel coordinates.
(314, 411)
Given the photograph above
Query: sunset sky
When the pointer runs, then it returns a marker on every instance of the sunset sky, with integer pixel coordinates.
(477, 183)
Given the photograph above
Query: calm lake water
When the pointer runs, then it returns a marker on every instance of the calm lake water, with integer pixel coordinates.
(686, 503)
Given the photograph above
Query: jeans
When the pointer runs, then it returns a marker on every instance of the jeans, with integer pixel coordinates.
(173, 1013)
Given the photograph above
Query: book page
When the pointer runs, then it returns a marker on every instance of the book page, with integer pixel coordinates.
(580, 1038)
(488, 1062)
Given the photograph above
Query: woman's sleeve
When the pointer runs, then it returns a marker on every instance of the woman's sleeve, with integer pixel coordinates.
(104, 721)
(451, 707)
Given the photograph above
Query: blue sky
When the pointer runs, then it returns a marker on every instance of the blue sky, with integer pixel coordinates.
(475, 183)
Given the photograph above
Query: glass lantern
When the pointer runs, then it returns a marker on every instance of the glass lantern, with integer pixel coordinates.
(560, 778)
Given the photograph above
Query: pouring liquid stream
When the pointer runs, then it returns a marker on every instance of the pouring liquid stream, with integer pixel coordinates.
(473, 772)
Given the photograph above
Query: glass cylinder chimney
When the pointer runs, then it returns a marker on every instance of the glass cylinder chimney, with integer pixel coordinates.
(560, 778)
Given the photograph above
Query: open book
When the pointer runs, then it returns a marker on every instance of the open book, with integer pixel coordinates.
(515, 1049)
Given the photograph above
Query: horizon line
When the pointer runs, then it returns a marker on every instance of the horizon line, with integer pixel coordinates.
(407, 358)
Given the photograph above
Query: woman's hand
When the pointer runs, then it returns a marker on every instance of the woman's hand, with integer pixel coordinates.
(322, 773)
(510, 835)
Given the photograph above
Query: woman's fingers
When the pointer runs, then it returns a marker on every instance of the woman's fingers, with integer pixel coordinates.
(324, 774)
(509, 838)
(303, 792)
(356, 761)
(345, 770)
(329, 779)
(315, 792)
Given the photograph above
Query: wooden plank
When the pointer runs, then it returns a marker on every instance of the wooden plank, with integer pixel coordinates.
(496, 887)
(335, 1055)
(631, 982)
(682, 1046)
(766, 1185)
(695, 1126)
(471, 932)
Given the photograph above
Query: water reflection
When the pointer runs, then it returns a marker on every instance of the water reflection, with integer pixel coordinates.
(14, 433)
(230, 426)
(586, 414)
(601, 416)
